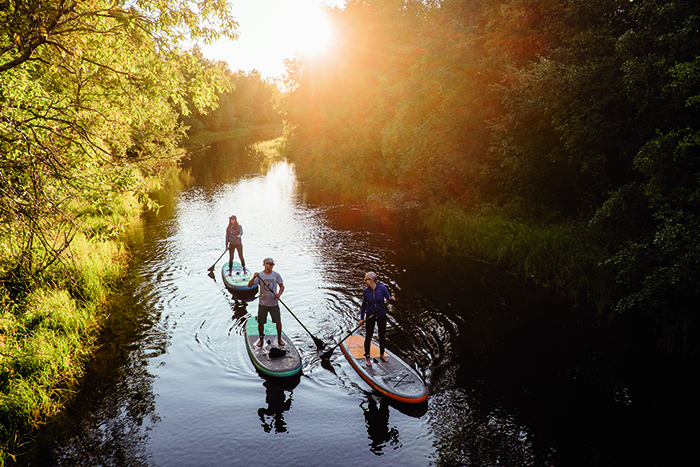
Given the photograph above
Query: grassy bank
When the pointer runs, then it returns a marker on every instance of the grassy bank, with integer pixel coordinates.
(49, 323)
(203, 139)
(48, 328)
(556, 255)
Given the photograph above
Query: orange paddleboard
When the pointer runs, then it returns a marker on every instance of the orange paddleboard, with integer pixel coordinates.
(394, 379)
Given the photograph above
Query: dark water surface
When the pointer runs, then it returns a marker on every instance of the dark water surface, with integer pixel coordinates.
(516, 376)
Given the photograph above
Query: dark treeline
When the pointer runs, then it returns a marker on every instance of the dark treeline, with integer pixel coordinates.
(547, 112)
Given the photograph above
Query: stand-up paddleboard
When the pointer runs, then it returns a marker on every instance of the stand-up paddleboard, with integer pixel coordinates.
(271, 359)
(237, 280)
(394, 379)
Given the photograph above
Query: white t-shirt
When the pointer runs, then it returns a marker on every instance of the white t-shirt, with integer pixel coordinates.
(268, 298)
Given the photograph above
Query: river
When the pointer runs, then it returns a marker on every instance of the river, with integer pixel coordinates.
(517, 375)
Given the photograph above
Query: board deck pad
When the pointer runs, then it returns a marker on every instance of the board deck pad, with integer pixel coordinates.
(395, 378)
(282, 366)
(237, 279)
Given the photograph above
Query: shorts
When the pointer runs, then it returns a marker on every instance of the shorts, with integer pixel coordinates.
(273, 310)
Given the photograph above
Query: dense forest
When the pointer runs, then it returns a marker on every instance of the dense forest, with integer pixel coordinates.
(558, 137)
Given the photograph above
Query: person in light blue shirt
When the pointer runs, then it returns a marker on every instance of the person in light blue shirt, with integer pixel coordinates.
(373, 306)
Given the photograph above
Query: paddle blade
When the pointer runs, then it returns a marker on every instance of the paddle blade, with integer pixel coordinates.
(319, 343)
(327, 354)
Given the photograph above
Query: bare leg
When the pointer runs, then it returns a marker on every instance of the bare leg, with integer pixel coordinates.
(279, 333)
(261, 332)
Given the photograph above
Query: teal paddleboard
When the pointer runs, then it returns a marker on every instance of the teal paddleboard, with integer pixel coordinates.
(237, 279)
(271, 359)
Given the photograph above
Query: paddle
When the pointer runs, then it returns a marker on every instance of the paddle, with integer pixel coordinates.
(319, 343)
(327, 354)
(214, 265)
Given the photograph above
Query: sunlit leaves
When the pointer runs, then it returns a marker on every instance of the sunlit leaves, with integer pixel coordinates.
(90, 94)
(553, 110)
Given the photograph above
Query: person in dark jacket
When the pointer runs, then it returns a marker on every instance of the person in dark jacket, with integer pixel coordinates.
(373, 297)
(234, 231)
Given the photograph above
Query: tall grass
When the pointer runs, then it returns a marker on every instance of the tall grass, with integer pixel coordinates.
(563, 256)
(46, 337)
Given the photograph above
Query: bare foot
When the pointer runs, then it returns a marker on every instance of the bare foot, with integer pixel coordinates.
(280, 341)
(384, 359)
(368, 362)
(259, 343)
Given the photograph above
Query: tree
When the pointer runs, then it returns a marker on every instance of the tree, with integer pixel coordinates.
(89, 97)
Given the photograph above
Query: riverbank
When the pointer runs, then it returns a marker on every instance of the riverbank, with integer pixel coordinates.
(203, 139)
(48, 333)
(562, 256)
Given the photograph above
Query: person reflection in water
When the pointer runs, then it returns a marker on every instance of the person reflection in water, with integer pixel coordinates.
(277, 404)
(240, 310)
(373, 297)
(234, 232)
(377, 422)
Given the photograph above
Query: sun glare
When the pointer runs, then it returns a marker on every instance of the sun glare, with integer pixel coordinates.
(313, 34)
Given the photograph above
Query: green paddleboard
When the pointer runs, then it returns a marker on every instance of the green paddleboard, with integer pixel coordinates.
(271, 359)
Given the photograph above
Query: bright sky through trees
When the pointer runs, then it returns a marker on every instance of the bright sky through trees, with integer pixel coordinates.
(272, 30)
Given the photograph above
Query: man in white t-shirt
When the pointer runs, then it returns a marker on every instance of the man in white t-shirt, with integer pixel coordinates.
(268, 301)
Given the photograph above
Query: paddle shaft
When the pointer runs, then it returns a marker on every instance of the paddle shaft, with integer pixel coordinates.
(327, 354)
(319, 343)
(214, 265)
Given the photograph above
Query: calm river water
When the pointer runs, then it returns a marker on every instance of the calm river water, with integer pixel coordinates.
(516, 377)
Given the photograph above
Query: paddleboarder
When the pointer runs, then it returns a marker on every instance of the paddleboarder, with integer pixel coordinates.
(373, 297)
(234, 232)
(268, 302)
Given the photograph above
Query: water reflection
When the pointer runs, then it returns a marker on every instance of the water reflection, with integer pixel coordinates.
(513, 377)
(466, 434)
(272, 416)
(377, 423)
(108, 421)
(240, 311)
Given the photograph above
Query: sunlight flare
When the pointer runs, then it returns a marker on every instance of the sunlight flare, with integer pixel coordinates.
(313, 33)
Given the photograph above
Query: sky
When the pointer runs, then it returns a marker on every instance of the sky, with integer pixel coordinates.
(272, 30)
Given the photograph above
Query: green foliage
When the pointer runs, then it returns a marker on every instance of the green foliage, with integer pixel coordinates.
(249, 101)
(92, 113)
(565, 256)
(90, 96)
(554, 112)
(43, 349)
